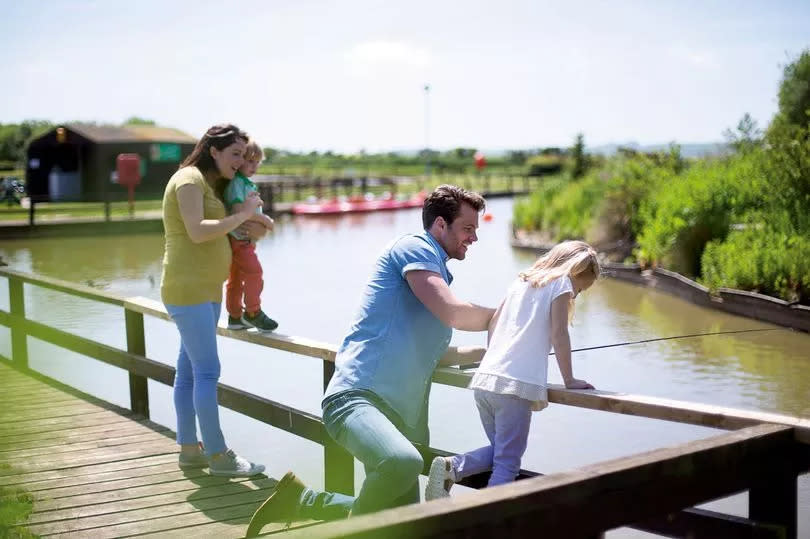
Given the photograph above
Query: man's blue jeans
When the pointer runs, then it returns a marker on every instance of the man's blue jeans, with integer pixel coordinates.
(367, 429)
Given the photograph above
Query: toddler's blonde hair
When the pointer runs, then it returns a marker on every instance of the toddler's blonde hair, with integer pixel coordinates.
(253, 151)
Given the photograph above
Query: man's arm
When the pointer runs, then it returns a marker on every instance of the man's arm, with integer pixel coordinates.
(462, 355)
(434, 294)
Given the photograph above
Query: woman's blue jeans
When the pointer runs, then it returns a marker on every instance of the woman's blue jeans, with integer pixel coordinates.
(195, 383)
(374, 435)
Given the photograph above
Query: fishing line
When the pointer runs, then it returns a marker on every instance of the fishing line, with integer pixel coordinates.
(627, 343)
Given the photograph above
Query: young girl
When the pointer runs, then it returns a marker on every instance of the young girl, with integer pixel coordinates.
(511, 381)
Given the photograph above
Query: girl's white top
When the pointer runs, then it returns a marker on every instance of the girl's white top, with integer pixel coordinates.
(516, 360)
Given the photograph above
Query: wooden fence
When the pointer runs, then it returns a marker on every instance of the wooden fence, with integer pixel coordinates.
(654, 491)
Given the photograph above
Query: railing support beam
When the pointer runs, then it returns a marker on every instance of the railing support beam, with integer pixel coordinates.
(19, 339)
(136, 344)
(338, 463)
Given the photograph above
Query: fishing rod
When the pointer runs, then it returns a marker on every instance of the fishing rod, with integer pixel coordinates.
(627, 343)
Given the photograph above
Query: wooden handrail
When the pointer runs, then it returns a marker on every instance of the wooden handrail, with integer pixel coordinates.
(622, 403)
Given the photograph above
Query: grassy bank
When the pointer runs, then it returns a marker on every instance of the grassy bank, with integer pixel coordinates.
(15, 506)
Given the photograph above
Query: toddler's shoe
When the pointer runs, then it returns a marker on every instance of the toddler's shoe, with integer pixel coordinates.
(236, 323)
(260, 321)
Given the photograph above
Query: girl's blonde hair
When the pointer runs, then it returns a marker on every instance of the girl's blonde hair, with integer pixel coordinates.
(571, 258)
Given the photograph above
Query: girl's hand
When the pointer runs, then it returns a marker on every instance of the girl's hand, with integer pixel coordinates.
(575, 383)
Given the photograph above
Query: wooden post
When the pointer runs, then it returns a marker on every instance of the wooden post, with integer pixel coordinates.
(269, 203)
(31, 203)
(138, 386)
(19, 339)
(338, 463)
(773, 499)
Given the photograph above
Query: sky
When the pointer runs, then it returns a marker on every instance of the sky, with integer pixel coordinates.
(350, 75)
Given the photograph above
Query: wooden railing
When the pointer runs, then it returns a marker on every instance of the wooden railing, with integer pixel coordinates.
(764, 453)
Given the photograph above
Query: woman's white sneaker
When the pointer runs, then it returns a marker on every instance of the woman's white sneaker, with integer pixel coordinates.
(229, 464)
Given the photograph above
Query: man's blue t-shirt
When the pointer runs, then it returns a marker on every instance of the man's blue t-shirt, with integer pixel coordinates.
(395, 342)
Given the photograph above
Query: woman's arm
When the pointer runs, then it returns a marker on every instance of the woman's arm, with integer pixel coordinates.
(261, 218)
(562, 342)
(199, 229)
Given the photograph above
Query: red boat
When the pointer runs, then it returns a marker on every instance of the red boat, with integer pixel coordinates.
(357, 204)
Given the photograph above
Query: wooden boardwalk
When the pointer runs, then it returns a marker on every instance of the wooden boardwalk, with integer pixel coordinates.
(97, 470)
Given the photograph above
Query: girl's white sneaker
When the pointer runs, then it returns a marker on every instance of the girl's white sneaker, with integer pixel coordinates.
(440, 479)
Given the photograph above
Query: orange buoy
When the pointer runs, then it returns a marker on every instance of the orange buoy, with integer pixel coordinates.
(487, 217)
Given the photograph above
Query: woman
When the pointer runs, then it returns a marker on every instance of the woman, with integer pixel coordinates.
(195, 265)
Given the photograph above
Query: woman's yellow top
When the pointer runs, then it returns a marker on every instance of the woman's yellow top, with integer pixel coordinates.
(193, 273)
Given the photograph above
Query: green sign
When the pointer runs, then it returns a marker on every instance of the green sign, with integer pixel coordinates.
(164, 151)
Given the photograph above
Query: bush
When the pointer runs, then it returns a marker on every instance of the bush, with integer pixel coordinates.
(544, 165)
(695, 208)
(528, 212)
(760, 258)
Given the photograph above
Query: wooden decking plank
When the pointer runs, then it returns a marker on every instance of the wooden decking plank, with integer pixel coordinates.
(11, 399)
(202, 483)
(90, 508)
(230, 528)
(138, 469)
(12, 381)
(36, 400)
(165, 473)
(93, 469)
(65, 435)
(159, 509)
(110, 435)
(62, 423)
(177, 523)
(60, 449)
(95, 456)
(68, 409)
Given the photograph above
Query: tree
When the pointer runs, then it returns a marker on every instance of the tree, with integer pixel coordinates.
(14, 138)
(794, 91)
(747, 135)
(578, 157)
(135, 120)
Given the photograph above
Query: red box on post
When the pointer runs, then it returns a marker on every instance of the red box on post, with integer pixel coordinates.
(128, 166)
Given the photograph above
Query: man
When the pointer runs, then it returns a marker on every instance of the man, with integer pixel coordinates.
(376, 404)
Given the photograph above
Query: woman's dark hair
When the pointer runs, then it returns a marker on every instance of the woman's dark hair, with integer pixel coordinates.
(220, 137)
(445, 202)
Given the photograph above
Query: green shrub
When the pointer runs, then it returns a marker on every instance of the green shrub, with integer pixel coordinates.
(697, 207)
(529, 211)
(760, 258)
